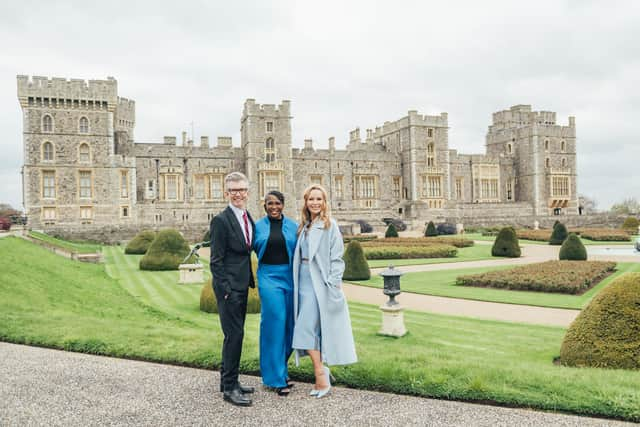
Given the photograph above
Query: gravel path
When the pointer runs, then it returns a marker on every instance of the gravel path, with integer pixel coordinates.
(55, 388)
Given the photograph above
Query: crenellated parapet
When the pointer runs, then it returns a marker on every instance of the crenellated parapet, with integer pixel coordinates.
(68, 93)
(251, 108)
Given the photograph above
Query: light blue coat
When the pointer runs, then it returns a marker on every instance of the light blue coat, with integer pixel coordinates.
(326, 267)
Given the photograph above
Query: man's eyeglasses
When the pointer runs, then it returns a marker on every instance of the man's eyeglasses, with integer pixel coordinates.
(237, 190)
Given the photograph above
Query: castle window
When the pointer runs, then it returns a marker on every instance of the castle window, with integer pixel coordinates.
(269, 180)
(269, 151)
(84, 154)
(151, 189)
(315, 179)
(124, 184)
(564, 162)
(431, 186)
(459, 188)
(49, 184)
(49, 214)
(124, 212)
(547, 163)
(431, 154)
(47, 152)
(509, 148)
(338, 182)
(563, 146)
(199, 186)
(86, 212)
(365, 187)
(546, 145)
(215, 187)
(85, 184)
(171, 187)
(397, 185)
(489, 189)
(560, 186)
(47, 123)
(84, 125)
(510, 190)
(269, 126)
(430, 133)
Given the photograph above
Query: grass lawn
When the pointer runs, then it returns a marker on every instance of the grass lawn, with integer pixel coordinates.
(586, 242)
(472, 253)
(443, 283)
(60, 303)
(79, 247)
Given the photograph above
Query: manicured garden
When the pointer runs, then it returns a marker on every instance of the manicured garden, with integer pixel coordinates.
(78, 247)
(51, 301)
(471, 253)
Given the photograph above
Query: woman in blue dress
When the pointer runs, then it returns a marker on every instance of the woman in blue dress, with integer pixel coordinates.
(274, 243)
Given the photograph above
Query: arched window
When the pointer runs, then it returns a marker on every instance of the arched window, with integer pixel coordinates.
(47, 123)
(47, 152)
(509, 149)
(564, 162)
(84, 153)
(547, 162)
(269, 150)
(563, 146)
(431, 154)
(546, 145)
(84, 125)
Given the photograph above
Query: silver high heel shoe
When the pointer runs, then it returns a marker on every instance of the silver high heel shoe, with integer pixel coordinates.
(322, 393)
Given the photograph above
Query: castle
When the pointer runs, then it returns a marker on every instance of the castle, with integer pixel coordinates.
(85, 176)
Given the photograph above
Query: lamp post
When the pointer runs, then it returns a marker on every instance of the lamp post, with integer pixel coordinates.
(392, 316)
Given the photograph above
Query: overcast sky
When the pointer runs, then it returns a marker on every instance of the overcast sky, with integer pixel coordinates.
(343, 64)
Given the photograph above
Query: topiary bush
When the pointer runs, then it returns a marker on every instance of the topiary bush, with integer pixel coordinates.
(140, 243)
(391, 231)
(606, 334)
(431, 230)
(167, 251)
(209, 303)
(572, 249)
(559, 234)
(631, 224)
(356, 266)
(506, 244)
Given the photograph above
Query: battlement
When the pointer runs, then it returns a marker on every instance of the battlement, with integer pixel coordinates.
(522, 116)
(266, 110)
(38, 89)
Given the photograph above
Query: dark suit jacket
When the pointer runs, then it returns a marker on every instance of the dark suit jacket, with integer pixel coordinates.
(230, 257)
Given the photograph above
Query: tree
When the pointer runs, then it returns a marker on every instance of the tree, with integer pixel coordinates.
(626, 207)
(391, 231)
(506, 244)
(572, 249)
(355, 263)
(431, 230)
(559, 234)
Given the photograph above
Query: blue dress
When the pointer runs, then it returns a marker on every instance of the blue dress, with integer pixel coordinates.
(306, 335)
(275, 286)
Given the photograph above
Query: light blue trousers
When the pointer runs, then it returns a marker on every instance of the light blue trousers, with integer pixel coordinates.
(275, 285)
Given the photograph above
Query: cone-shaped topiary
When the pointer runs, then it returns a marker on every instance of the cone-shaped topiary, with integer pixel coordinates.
(166, 252)
(559, 234)
(606, 334)
(140, 244)
(506, 244)
(431, 230)
(572, 249)
(209, 304)
(391, 231)
(356, 266)
(631, 224)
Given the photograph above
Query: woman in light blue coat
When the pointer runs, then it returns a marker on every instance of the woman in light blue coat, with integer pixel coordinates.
(322, 328)
(274, 243)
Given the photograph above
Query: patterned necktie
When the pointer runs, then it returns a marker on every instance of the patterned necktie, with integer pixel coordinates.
(246, 228)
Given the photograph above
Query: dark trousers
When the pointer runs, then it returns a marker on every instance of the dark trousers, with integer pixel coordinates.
(233, 312)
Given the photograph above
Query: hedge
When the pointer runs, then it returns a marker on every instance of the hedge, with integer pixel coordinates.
(406, 252)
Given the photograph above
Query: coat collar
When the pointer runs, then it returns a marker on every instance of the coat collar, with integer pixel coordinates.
(315, 237)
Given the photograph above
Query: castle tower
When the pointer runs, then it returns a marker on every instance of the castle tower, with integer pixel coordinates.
(72, 177)
(265, 131)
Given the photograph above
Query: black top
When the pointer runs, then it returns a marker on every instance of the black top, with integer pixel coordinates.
(276, 251)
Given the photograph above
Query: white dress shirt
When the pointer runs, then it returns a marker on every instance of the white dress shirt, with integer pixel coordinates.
(239, 213)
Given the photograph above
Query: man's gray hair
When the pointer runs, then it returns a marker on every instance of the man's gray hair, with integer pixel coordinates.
(235, 177)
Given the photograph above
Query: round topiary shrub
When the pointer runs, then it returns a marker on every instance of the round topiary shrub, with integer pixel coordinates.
(356, 266)
(431, 230)
(606, 334)
(140, 243)
(209, 303)
(559, 234)
(631, 224)
(391, 231)
(572, 249)
(167, 251)
(506, 244)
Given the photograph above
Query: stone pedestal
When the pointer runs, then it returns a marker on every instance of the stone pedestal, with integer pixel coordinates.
(392, 321)
(459, 228)
(191, 273)
(536, 225)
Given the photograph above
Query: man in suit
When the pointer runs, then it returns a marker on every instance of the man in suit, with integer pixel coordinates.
(232, 232)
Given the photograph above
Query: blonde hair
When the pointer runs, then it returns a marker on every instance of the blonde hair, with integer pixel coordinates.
(305, 215)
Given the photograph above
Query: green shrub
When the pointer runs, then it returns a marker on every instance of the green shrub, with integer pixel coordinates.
(167, 251)
(572, 249)
(360, 238)
(506, 244)
(559, 234)
(391, 231)
(410, 252)
(356, 267)
(140, 243)
(606, 334)
(631, 224)
(431, 230)
(209, 304)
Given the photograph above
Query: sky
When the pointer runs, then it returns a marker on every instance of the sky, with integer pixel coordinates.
(343, 64)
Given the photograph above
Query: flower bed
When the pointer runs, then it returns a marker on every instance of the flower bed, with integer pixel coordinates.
(569, 277)
(359, 238)
(537, 235)
(407, 252)
(420, 241)
(604, 234)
